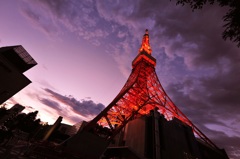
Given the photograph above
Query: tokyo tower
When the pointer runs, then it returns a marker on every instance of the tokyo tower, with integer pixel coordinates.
(141, 93)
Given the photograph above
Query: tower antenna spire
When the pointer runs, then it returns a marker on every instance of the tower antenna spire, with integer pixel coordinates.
(145, 47)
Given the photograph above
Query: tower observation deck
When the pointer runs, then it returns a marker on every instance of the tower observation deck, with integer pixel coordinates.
(141, 93)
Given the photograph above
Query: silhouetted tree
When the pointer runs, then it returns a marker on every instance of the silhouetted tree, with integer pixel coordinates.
(28, 123)
(232, 17)
(25, 122)
(3, 111)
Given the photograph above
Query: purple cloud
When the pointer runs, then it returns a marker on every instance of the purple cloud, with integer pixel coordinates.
(51, 103)
(79, 18)
(84, 108)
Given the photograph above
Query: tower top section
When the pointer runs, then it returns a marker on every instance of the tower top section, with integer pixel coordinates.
(145, 52)
(145, 44)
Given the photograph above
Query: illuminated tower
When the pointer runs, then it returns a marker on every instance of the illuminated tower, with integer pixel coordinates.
(141, 93)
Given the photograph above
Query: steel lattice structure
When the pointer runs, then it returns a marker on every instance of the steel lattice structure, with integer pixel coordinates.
(141, 93)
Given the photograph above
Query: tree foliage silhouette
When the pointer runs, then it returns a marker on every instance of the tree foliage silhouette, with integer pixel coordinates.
(25, 122)
(231, 18)
(28, 123)
(3, 111)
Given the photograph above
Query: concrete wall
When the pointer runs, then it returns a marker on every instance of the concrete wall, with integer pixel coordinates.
(177, 140)
(174, 140)
(135, 135)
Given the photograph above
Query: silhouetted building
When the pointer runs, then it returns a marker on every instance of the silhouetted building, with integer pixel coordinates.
(14, 61)
(74, 128)
(64, 128)
(69, 129)
(52, 128)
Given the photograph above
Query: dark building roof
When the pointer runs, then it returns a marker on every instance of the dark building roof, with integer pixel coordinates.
(18, 57)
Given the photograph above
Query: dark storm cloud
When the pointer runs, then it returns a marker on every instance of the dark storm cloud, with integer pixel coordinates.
(218, 119)
(84, 107)
(203, 105)
(224, 86)
(192, 36)
(231, 144)
(51, 104)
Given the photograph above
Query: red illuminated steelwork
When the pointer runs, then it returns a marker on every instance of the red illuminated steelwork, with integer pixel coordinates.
(141, 93)
(145, 44)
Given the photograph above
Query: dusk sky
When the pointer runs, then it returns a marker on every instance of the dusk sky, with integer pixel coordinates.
(84, 51)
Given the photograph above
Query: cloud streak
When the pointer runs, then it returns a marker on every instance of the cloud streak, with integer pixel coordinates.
(76, 17)
(85, 108)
